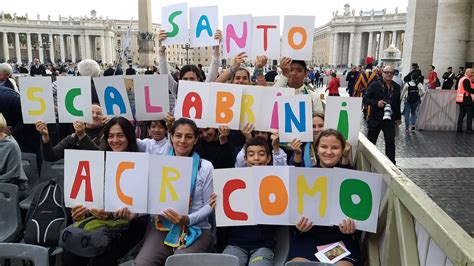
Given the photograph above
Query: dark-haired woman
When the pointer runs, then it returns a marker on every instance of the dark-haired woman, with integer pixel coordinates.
(120, 136)
(330, 146)
(163, 235)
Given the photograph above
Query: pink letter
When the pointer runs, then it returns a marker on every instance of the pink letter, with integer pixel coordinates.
(230, 33)
(148, 107)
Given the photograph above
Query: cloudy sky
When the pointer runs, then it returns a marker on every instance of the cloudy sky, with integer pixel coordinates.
(126, 9)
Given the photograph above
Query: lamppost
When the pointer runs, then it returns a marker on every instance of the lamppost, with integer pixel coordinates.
(187, 47)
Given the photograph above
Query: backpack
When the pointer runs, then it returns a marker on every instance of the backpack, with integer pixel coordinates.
(92, 236)
(413, 94)
(47, 215)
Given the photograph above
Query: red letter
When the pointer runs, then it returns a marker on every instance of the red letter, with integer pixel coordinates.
(192, 100)
(265, 35)
(78, 181)
(229, 187)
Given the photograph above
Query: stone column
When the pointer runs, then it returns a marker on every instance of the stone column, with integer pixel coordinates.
(17, 47)
(335, 50)
(87, 41)
(419, 34)
(102, 49)
(370, 45)
(351, 43)
(63, 50)
(6, 49)
(29, 48)
(40, 49)
(394, 38)
(51, 48)
(73, 48)
(381, 44)
(450, 43)
(358, 48)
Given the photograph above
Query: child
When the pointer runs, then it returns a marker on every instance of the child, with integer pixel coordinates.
(159, 143)
(278, 155)
(253, 244)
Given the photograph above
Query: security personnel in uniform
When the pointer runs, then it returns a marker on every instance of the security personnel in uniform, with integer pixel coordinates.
(464, 98)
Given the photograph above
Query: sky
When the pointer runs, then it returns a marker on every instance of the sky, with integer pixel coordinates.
(126, 9)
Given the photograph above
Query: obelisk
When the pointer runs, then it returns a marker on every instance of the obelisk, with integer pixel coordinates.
(145, 34)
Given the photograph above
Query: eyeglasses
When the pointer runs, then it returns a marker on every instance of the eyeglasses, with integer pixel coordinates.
(388, 72)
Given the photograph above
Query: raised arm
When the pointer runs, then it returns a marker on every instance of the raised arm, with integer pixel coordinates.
(260, 62)
(238, 59)
(216, 57)
(163, 65)
(285, 68)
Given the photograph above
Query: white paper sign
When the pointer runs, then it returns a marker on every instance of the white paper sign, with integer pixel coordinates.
(84, 178)
(309, 195)
(113, 96)
(344, 115)
(267, 115)
(237, 34)
(151, 97)
(204, 22)
(294, 115)
(193, 101)
(126, 181)
(225, 104)
(297, 39)
(169, 183)
(74, 99)
(174, 20)
(356, 195)
(272, 183)
(37, 104)
(235, 192)
(266, 37)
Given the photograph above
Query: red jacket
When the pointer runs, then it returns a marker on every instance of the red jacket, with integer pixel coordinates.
(333, 86)
(432, 80)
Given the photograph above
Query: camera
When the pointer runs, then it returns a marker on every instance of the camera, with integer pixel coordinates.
(387, 112)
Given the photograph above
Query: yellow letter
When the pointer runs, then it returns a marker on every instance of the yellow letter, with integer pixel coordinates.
(166, 182)
(247, 102)
(320, 185)
(32, 98)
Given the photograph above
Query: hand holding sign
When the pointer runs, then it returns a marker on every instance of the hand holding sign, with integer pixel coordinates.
(175, 217)
(42, 128)
(238, 59)
(285, 66)
(79, 212)
(304, 224)
(125, 213)
(80, 129)
(347, 226)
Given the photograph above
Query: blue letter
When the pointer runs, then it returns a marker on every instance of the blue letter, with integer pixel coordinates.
(113, 97)
(290, 117)
(200, 27)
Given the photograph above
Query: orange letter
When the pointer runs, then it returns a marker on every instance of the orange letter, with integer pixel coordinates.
(224, 102)
(120, 169)
(291, 36)
(273, 185)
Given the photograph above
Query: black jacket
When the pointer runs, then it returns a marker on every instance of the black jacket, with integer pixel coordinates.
(130, 71)
(90, 142)
(378, 91)
(448, 80)
(109, 72)
(37, 71)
